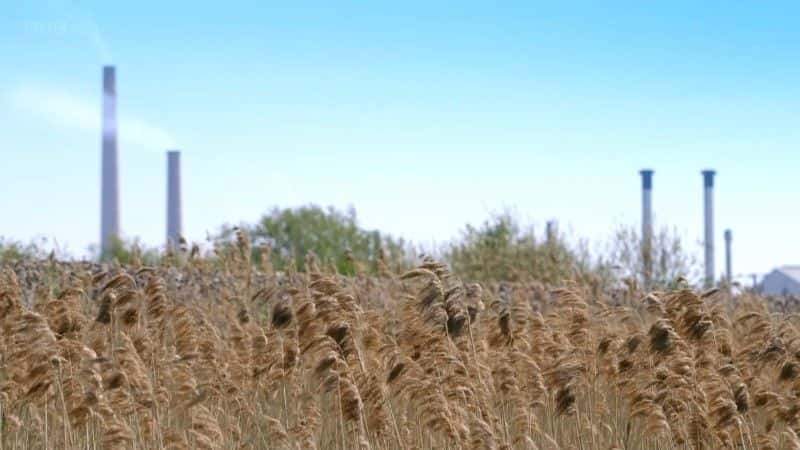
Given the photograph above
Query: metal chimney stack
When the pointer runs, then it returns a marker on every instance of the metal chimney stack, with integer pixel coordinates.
(550, 231)
(708, 197)
(109, 196)
(647, 224)
(174, 222)
(728, 265)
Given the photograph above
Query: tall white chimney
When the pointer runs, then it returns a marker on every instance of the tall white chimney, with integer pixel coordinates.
(109, 194)
(708, 201)
(174, 219)
(647, 224)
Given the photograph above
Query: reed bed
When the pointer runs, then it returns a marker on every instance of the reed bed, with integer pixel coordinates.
(214, 353)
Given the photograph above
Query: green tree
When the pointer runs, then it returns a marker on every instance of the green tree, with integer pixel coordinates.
(334, 236)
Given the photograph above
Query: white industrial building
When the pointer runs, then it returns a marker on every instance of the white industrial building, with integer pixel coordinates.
(782, 281)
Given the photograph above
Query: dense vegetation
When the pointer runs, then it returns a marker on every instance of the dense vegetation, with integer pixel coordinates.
(217, 352)
(499, 249)
(333, 236)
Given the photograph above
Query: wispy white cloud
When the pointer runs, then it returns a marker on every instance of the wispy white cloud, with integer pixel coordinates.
(64, 110)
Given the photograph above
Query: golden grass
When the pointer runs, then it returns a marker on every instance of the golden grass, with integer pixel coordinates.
(217, 354)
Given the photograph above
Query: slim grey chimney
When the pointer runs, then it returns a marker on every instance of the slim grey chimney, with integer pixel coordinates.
(708, 197)
(109, 196)
(174, 223)
(647, 225)
(728, 265)
(550, 231)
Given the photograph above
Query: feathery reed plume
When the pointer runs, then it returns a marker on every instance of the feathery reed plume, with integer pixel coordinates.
(214, 352)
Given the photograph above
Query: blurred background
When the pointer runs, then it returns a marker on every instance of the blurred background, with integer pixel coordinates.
(412, 120)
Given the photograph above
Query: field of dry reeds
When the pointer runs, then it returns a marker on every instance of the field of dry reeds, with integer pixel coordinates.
(220, 354)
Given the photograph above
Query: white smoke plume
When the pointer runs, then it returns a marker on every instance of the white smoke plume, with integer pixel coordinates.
(64, 110)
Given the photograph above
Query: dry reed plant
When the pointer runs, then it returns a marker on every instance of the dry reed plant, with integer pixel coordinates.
(218, 354)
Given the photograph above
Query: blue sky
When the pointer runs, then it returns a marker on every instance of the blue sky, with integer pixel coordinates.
(422, 115)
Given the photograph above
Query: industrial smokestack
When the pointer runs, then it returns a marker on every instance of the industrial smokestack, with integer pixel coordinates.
(647, 225)
(550, 231)
(708, 196)
(109, 196)
(174, 223)
(728, 265)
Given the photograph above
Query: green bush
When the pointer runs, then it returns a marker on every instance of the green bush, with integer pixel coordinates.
(128, 252)
(16, 251)
(500, 249)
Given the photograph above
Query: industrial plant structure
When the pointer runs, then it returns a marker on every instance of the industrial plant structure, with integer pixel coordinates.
(728, 256)
(708, 225)
(783, 281)
(708, 240)
(109, 193)
(174, 219)
(109, 185)
(647, 225)
(110, 210)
